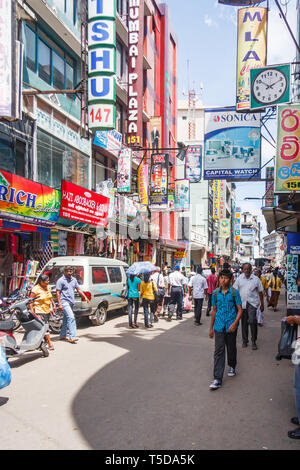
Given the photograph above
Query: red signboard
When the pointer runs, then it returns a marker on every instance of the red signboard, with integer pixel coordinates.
(83, 206)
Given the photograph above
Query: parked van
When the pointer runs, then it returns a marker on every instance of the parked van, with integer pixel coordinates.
(102, 280)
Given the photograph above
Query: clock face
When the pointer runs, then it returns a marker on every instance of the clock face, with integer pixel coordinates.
(269, 86)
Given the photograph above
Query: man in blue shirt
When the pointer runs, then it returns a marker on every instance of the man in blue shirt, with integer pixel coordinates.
(227, 311)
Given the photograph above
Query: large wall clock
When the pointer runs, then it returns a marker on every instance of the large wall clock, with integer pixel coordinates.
(270, 86)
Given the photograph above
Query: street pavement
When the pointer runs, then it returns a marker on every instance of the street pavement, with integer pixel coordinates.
(149, 389)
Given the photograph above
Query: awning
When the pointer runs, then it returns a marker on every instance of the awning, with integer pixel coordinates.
(8, 226)
(173, 244)
(277, 218)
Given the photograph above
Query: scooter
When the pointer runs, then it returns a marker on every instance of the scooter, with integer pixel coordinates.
(35, 330)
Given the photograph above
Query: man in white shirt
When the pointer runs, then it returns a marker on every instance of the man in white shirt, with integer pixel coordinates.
(251, 292)
(198, 288)
(158, 279)
(177, 286)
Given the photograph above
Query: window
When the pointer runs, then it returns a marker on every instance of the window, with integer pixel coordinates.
(99, 276)
(115, 275)
(20, 157)
(55, 272)
(119, 61)
(30, 38)
(58, 71)
(44, 62)
(69, 79)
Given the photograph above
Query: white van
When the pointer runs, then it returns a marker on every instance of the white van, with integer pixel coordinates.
(103, 280)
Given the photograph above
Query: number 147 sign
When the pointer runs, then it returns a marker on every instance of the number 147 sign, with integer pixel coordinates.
(102, 116)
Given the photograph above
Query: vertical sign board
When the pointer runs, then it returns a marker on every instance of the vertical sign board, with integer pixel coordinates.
(124, 171)
(222, 196)
(7, 59)
(216, 200)
(252, 50)
(193, 163)
(143, 183)
(293, 271)
(182, 195)
(159, 181)
(269, 196)
(102, 64)
(135, 72)
(288, 149)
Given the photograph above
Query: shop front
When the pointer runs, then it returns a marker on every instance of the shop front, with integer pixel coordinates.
(28, 211)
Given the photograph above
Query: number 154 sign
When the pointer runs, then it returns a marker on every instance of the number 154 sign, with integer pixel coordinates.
(102, 116)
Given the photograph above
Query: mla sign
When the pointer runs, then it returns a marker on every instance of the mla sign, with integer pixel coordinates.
(102, 64)
(252, 50)
(288, 149)
(135, 71)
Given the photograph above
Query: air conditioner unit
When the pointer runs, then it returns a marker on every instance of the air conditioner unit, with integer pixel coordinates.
(53, 98)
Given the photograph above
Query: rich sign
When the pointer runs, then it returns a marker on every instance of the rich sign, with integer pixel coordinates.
(252, 50)
(83, 206)
(135, 72)
(102, 64)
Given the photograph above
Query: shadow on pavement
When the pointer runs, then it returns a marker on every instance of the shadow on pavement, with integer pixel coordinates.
(3, 401)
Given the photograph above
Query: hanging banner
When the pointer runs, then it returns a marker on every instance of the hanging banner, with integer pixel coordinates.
(222, 196)
(109, 140)
(193, 163)
(106, 188)
(293, 271)
(232, 144)
(182, 195)
(143, 171)
(216, 199)
(102, 64)
(124, 171)
(269, 196)
(225, 228)
(288, 149)
(135, 72)
(159, 180)
(251, 50)
(27, 201)
(83, 206)
(155, 133)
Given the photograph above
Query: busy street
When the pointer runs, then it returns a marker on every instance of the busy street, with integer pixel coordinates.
(109, 391)
(150, 227)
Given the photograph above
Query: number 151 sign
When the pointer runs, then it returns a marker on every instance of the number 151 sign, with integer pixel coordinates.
(102, 116)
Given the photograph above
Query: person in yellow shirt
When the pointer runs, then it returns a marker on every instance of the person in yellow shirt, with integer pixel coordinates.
(275, 286)
(42, 305)
(264, 283)
(148, 290)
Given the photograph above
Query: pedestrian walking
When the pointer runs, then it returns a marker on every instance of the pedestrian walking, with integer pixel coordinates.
(212, 281)
(198, 290)
(264, 283)
(274, 284)
(251, 292)
(133, 299)
(65, 293)
(158, 279)
(167, 296)
(44, 303)
(177, 287)
(148, 291)
(226, 314)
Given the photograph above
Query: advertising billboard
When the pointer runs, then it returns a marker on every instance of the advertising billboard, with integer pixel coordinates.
(287, 177)
(143, 171)
(159, 180)
(293, 271)
(155, 133)
(269, 196)
(182, 195)
(102, 64)
(216, 199)
(251, 50)
(232, 144)
(124, 171)
(225, 228)
(83, 206)
(193, 163)
(109, 140)
(27, 201)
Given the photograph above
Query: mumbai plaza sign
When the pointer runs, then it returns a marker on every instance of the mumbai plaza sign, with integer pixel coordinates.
(102, 64)
(135, 71)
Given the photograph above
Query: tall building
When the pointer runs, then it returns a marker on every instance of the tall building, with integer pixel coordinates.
(250, 238)
(274, 249)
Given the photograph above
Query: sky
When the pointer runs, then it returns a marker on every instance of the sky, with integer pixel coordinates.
(207, 46)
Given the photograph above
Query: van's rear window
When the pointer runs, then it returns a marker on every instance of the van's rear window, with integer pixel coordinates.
(56, 272)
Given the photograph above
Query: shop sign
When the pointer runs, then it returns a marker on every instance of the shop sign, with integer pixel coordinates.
(106, 188)
(225, 228)
(269, 196)
(143, 171)
(135, 72)
(293, 268)
(232, 144)
(27, 201)
(159, 180)
(83, 206)
(222, 199)
(131, 208)
(288, 149)
(193, 163)
(216, 199)
(182, 195)
(124, 171)
(180, 258)
(251, 50)
(109, 140)
(102, 64)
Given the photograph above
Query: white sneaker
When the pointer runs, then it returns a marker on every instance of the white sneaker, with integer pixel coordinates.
(215, 384)
(231, 372)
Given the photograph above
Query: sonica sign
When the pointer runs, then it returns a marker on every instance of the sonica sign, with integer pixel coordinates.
(102, 64)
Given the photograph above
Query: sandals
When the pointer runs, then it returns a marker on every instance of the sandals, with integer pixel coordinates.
(51, 348)
(294, 434)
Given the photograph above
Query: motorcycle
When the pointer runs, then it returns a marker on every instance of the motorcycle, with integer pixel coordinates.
(35, 331)
(5, 302)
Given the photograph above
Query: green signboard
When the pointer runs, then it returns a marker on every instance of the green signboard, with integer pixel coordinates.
(270, 86)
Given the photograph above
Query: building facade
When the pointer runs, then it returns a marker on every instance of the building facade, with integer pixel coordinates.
(250, 238)
(274, 249)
